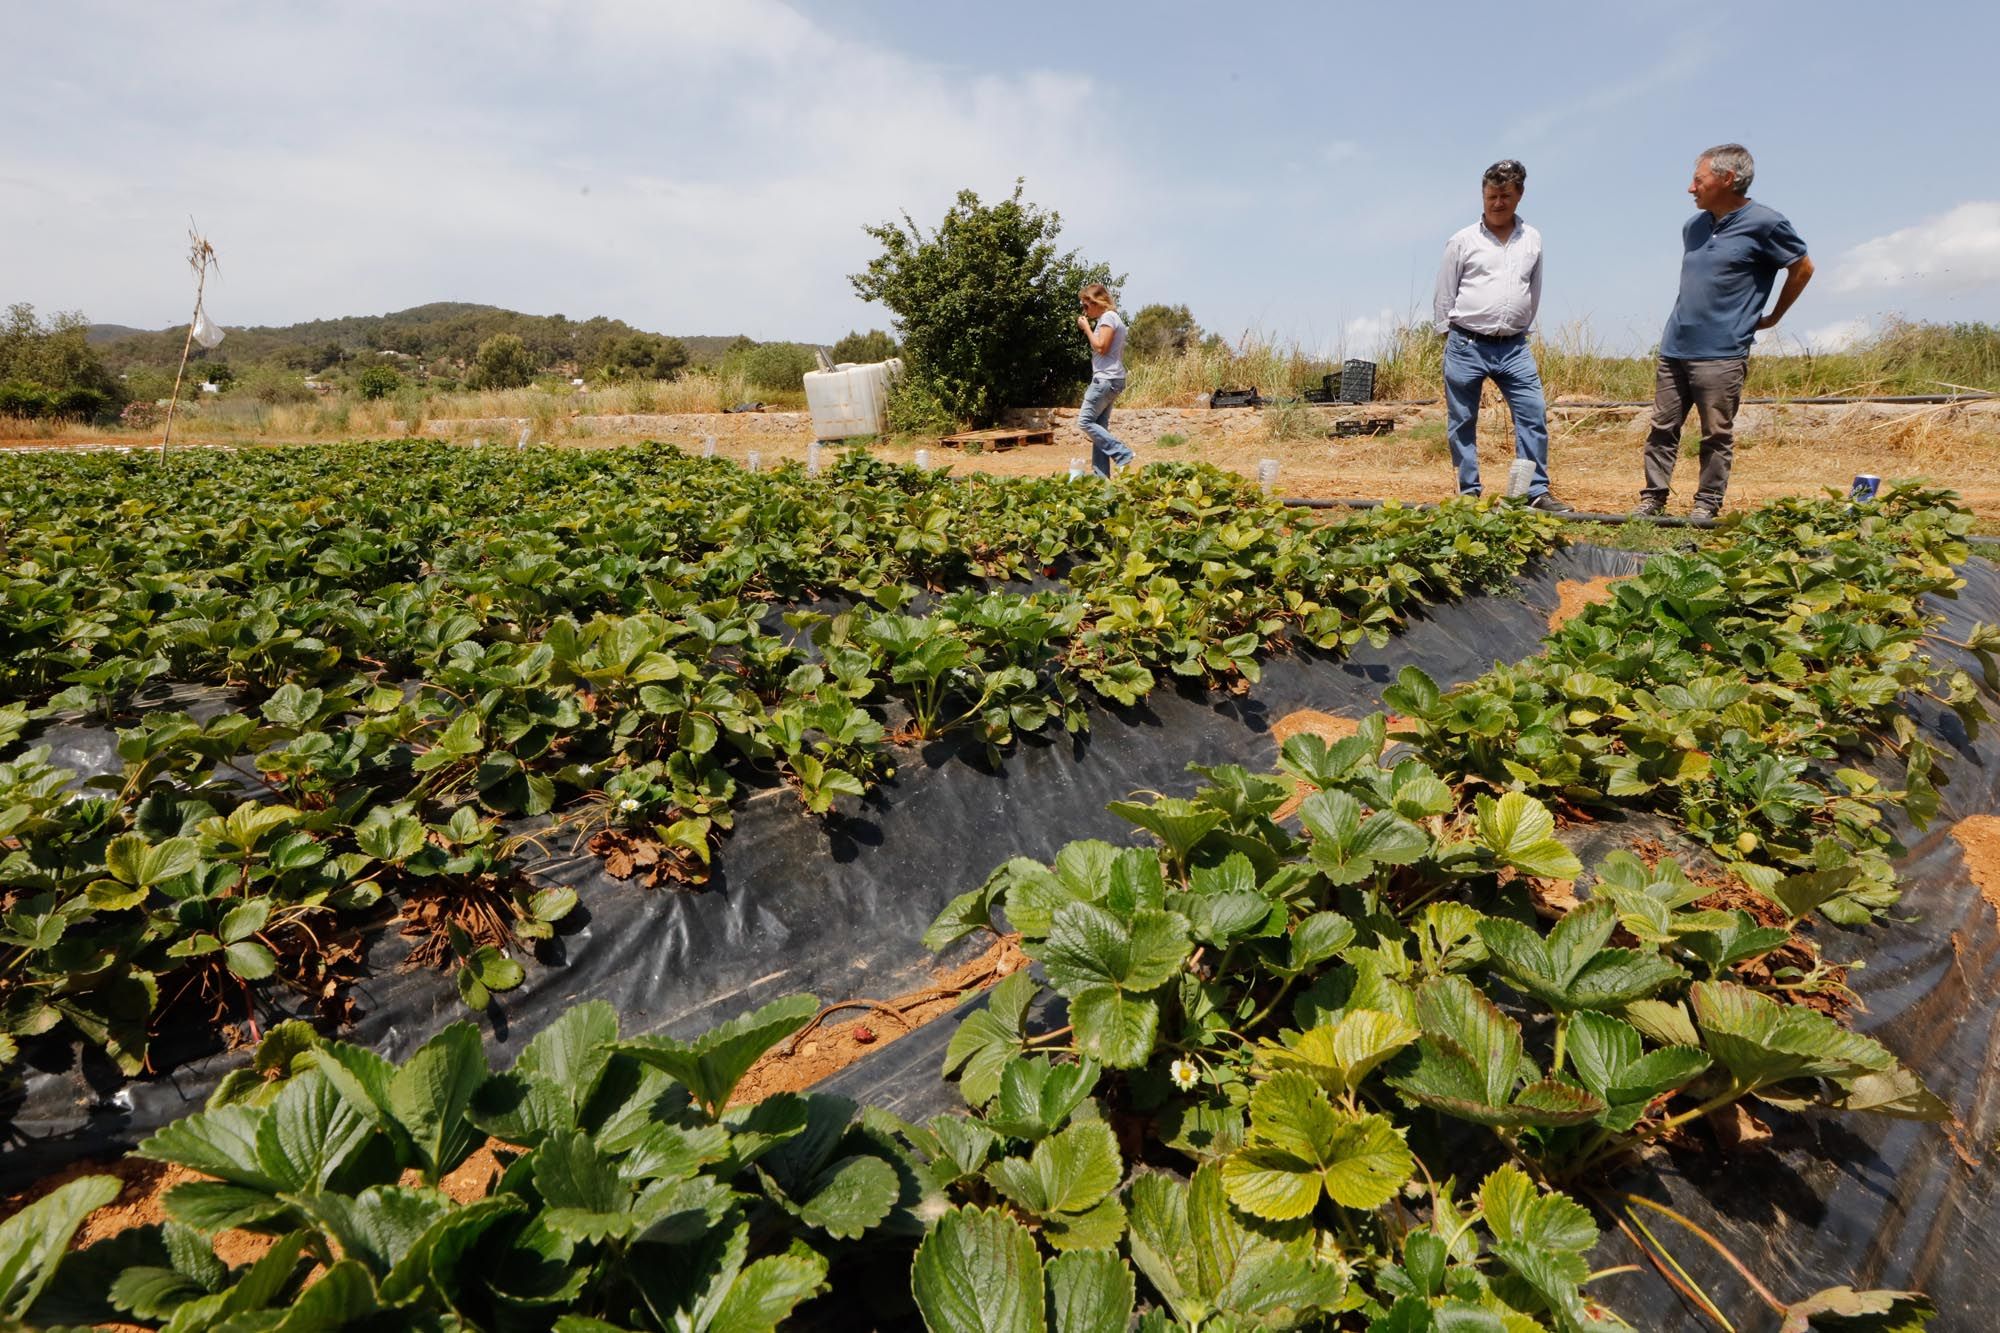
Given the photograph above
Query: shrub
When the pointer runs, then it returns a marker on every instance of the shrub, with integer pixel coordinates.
(1161, 330)
(378, 382)
(502, 362)
(141, 416)
(915, 409)
(18, 399)
(778, 366)
(643, 356)
(986, 305)
(47, 368)
(865, 348)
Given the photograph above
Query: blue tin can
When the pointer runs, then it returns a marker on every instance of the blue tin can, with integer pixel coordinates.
(1865, 487)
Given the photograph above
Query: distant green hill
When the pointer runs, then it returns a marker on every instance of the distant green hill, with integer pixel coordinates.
(443, 333)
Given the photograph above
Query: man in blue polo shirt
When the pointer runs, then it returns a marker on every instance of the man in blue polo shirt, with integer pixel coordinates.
(1734, 249)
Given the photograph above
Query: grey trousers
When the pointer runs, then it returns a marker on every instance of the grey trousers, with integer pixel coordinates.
(1711, 388)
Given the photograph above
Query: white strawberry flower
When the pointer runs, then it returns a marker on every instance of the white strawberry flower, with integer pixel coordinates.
(1184, 1074)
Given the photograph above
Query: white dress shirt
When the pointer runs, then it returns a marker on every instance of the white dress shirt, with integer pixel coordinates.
(1489, 285)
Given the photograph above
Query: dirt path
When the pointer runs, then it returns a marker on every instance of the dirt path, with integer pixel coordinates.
(1595, 464)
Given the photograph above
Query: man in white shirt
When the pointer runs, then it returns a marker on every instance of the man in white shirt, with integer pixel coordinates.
(1488, 290)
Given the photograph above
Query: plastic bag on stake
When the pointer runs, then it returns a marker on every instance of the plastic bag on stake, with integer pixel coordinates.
(206, 331)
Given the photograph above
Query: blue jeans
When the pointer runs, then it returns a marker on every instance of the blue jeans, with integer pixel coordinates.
(1105, 448)
(1468, 364)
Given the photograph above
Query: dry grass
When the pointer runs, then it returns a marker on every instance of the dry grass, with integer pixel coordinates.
(1897, 358)
(345, 416)
(45, 428)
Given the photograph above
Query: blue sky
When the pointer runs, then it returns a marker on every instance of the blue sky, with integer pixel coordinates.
(1286, 169)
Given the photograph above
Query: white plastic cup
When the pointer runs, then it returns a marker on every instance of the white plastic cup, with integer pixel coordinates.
(708, 446)
(924, 459)
(1075, 469)
(753, 460)
(522, 443)
(1520, 476)
(1267, 475)
(479, 441)
(812, 459)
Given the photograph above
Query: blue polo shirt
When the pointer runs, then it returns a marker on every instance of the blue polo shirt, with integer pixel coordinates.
(1726, 277)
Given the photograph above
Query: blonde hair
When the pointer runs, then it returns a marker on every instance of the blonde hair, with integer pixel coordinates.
(1097, 294)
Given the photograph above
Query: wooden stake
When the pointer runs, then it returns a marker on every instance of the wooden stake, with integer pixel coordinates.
(201, 258)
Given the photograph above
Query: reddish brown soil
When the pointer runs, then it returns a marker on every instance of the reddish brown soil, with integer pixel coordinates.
(1575, 596)
(823, 1049)
(1978, 839)
(1727, 894)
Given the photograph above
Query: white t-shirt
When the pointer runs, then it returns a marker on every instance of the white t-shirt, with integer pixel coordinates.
(1110, 363)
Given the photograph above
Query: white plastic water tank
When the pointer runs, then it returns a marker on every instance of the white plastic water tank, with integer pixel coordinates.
(850, 399)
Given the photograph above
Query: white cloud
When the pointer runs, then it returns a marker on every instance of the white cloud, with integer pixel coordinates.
(691, 168)
(1837, 336)
(1366, 335)
(1340, 152)
(1954, 250)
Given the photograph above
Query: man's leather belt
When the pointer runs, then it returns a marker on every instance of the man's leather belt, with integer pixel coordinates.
(1485, 337)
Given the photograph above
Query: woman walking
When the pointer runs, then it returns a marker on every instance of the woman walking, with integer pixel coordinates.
(1106, 333)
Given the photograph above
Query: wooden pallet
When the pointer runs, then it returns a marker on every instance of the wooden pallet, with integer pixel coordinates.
(999, 438)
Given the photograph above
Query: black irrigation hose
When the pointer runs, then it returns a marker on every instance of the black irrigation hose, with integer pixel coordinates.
(1907, 399)
(1910, 399)
(1573, 516)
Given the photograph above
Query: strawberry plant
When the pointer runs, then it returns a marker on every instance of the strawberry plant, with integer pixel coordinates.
(409, 644)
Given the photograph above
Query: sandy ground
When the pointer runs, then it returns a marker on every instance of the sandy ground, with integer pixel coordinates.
(1596, 470)
(1594, 458)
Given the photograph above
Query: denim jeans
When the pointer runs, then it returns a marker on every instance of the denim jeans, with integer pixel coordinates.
(1468, 364)
(1105, 448)
(1714, 389)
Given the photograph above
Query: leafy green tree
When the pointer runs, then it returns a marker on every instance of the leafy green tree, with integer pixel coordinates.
(643, 356)
(378, 382)
(1162, 330)
(779, 366)
(502, 362)
(865, 348)
(219, 373)
(48, 368)
(986, 305)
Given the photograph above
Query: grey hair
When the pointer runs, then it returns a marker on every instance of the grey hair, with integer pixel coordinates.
(1735, 159)
(1505, 172)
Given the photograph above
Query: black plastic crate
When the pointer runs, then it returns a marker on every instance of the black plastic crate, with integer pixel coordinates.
(1357, 381)
(1365, 426)
(1236, 398)
(1330, 394)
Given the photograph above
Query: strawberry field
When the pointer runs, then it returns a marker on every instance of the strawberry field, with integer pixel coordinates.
(379, 760)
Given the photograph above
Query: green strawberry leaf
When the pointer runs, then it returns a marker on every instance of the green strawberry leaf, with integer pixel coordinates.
(978, 1271)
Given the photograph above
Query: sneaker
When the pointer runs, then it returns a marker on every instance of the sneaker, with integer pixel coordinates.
(1548, 504)
(1648, 507)
(1704, 512)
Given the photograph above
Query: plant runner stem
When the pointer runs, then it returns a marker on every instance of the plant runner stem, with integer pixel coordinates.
(1763, 1292)
(1658, 1255)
